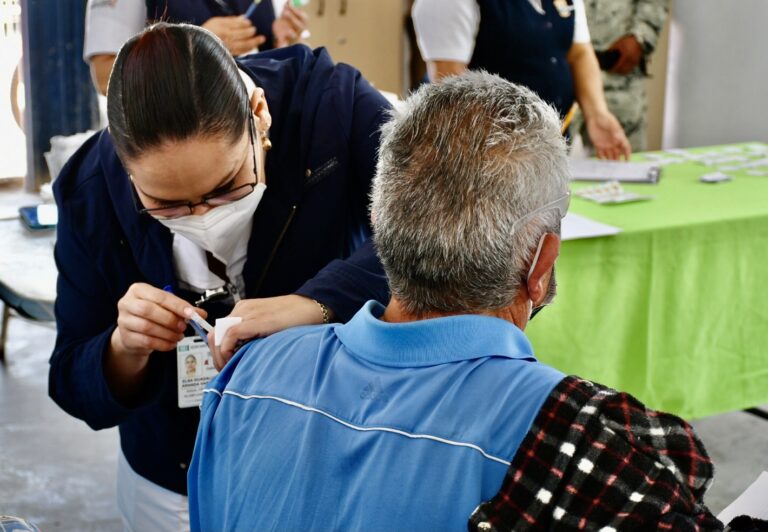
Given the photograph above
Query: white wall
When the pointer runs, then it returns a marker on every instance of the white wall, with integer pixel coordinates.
(717, 77)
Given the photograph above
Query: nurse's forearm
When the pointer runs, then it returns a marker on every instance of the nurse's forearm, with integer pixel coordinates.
(440, 69)
(101, 68)
(587, 80)
(125, 370)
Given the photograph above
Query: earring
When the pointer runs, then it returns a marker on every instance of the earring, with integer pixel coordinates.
(266, 144)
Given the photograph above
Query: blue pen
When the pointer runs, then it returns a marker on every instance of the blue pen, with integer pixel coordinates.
(196, 322)
(251, 9)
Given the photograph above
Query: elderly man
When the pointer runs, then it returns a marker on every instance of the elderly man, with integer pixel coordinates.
(433, 413)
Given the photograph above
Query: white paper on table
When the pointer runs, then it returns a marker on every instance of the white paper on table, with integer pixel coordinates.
(594, 170)
(753, 502)
(574, 227)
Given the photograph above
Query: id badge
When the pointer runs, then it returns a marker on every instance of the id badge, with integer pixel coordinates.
(194, 368)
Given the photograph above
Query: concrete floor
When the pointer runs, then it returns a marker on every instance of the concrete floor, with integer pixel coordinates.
(60, 474)
(54, 470)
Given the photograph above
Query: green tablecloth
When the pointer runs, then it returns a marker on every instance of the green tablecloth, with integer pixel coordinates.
(675, 308)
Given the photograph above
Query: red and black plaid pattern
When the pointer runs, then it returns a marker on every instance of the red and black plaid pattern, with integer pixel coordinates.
(597, 459)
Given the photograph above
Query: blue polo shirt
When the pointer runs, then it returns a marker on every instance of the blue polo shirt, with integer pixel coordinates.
(365, 426)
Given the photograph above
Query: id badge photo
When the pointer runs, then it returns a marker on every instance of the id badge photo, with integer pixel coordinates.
(194, 369)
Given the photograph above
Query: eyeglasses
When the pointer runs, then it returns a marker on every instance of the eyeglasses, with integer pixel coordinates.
(180, 210)
(561, 204)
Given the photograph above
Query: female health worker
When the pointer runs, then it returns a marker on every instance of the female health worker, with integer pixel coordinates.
(179, 193)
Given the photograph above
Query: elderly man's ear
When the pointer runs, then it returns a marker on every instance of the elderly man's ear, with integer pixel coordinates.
(541, 272)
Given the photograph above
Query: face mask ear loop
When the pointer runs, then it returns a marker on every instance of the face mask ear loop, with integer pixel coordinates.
(531, 312)
(536, 257)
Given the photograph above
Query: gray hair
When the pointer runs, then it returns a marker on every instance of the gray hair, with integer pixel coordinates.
(459, 163)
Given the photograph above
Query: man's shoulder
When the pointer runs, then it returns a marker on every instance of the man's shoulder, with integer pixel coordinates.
(600, 454)
(283, 356)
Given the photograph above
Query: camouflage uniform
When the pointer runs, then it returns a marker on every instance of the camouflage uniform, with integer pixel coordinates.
(625, 94)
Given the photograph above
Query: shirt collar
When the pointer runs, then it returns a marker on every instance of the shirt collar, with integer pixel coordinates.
(431, 342)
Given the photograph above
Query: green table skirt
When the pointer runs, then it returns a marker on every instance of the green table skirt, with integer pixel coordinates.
(675, 308)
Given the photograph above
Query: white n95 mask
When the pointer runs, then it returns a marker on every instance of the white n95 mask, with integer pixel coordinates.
(220, 229)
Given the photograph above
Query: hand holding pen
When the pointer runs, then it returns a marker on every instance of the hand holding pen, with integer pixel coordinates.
(236, 32)
(148, 319)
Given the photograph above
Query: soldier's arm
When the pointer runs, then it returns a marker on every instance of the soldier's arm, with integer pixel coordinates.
(648, 21)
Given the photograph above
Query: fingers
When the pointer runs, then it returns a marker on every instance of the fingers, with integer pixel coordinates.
(288, 28)
(614, 152)
(625, 149)
(222, 25)
(620, 66)
(150, 319)
(137, 341)
(241, 34)
(137, 325)
(237, 33)
(296, 18)
(218, 360)
(168, 301)
(607, 152)
(286, 38)
(623, 66)
(151, 312)
(235, 337)
(627, 62)
(237, 22)
(620, 147)
(244, 46)
(262, 317)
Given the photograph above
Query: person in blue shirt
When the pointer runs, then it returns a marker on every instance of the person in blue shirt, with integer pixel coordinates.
(179, 205)
(432, 413)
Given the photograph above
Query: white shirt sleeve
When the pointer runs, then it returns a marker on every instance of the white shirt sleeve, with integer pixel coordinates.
(446, 29)
(109, 23)
(580, 30)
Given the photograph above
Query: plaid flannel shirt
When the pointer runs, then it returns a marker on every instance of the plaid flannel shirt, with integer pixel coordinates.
(597, 459)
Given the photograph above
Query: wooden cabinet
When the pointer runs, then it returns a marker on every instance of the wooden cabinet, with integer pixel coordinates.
(368, 34)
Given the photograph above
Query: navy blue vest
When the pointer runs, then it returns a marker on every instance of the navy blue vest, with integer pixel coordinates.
(526, 47)
(198, 11)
